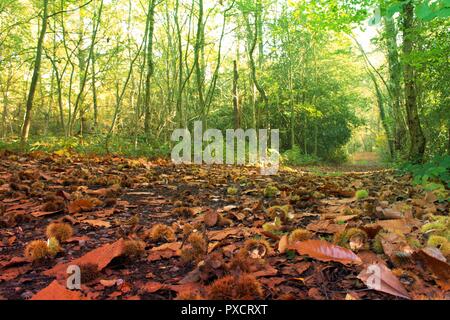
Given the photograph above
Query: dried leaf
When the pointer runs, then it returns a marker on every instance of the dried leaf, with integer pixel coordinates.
(325, 251)
(282, 244)
(440, 269)
(101, 257)
(80, 205)
(218, 235)
(98, 223)
(152, 286)
(379, 277)
(326, 226)
(55, 291)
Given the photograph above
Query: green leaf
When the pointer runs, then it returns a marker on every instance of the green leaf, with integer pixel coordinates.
(393, 9)
(444, 12)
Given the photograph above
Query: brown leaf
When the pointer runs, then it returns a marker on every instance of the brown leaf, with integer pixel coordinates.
(13, 272)
(398, 225)
(325, 251)
(219, 235)
(282, 244)
(164, 251)
(345, 218)
(440, 269)
(379, 277)
(152, 286)
(55, 291)
(326, 226)
(393, 243)
(80, 205)
(389, 213)
(38, 214)
(210, 218)
(268, 271)
(191, 288)
(101, 257)
(97, 223)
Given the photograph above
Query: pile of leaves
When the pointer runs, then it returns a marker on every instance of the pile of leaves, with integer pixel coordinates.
(153, 230)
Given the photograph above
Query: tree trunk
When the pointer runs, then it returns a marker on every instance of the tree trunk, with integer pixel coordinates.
(399, 128)
(199, 45)
(237, 117)
(253, 37)
(34, 78)
(94, 93)
(150, 64)
(383, 118)
(84, 68)
(417, 138)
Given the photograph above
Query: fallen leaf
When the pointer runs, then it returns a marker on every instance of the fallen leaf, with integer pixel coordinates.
(164, 251)
(326, 226)
(97, 223)
(108, 283)
(219, 235)
(80, 205)
(398, 225)
(325, 251)
(380, 278)
(55, 291)
(152, 286)
(101, 257)
(38, 214)
(433, 261)
(283, 243)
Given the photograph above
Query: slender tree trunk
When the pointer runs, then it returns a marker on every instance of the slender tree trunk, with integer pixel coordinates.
(417, 138)
(150, 64)
(254, 41)
(35, 78)
(199, 44)
(6, 101)
(179, 98)
(85, 68)
(237, 117)
(399, 128)
(94, 93)
(383, 117)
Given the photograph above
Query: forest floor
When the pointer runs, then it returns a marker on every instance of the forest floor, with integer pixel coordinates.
(242, 222)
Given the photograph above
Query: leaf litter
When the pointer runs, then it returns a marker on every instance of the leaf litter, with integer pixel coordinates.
(213, 234)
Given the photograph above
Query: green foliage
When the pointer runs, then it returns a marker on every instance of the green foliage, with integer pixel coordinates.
(93, 144)
(295, 157)
(426, 10)
(435, 171)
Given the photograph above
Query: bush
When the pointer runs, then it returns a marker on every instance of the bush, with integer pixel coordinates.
(295, 157)
(338, 156)
(435, 171)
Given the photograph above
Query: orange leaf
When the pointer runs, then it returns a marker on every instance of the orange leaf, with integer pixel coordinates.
(55, 291)
(80, 205)
(325, 251)
(101, 256)
(219, 235)
(282, 245)
(152, 286)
